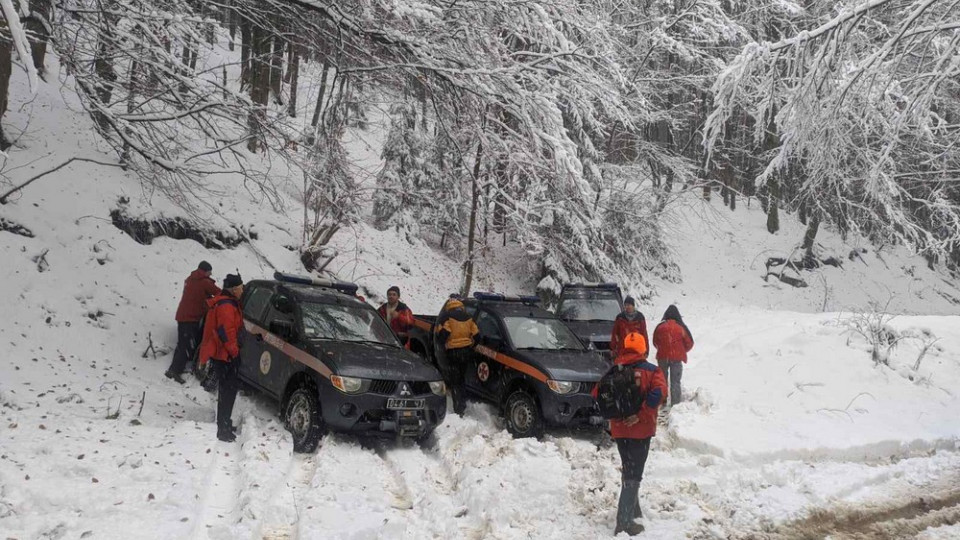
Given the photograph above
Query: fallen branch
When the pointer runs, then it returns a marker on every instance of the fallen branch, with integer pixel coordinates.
(143, 399)
(5, 196)
(150, 348)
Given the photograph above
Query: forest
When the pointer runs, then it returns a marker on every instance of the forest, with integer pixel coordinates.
(566, 126)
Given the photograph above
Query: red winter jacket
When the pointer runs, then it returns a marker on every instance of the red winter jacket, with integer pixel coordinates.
(623, 326)
(402, 321)
(197, 288)
(672, 341)
(222, 330)
(652, 385)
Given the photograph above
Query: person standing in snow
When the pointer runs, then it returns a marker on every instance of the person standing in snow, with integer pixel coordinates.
(222, 340)
(633, 433)
(456, 330)
(630, 320)
(673, 341)
(397, 314)
(197, 289)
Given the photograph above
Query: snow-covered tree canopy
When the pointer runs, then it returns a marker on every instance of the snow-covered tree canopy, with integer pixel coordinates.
(863, 108)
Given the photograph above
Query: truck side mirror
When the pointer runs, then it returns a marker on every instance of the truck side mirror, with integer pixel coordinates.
(283, 305)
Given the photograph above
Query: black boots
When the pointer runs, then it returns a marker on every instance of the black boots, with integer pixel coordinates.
(175, 376)
(628, 509)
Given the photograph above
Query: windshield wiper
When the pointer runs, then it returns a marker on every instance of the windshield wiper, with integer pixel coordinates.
(369, 342)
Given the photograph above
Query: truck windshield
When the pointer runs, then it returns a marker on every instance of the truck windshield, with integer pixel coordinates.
(345, 323)
(589, 309)
(546, 334)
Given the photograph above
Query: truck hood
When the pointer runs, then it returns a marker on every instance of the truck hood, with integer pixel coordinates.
(372, 361)
(583, 366)
(595, 331)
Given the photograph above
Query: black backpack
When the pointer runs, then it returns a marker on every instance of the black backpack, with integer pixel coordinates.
(618, 395)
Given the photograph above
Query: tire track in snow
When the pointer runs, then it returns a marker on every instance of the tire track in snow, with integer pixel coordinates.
(426, 492)
(282, 515)
(216, 511)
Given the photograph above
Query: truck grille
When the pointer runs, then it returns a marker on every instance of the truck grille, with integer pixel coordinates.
(379, 386)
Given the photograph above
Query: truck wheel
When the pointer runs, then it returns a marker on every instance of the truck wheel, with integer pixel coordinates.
(523, 415)
(303, 419)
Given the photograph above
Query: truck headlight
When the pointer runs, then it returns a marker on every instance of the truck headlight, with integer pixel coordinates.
(563, 387)
(438, 388)
(347, 385)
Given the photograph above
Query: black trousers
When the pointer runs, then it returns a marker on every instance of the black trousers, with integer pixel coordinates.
(456, 361)
(188, 339)
(633, 457)
(227, 376)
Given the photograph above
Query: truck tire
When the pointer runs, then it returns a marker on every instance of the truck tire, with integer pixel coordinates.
(522, 415)
(303, 419)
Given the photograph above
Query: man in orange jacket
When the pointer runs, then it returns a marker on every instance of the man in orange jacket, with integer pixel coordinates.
(630, 320)
(197, 288)
(633, 433)
(222, 339)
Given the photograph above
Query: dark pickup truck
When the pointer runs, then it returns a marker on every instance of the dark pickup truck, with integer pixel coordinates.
(333, 363)
(527, 363)
(590, 311)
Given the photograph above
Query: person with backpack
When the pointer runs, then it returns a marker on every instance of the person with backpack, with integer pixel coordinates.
(197, 289)
(629, 395)
(630, 320)
(223, 334)
(456, 330)
(673, 341)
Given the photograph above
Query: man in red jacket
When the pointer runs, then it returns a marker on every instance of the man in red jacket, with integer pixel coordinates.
(197, 288)
(673, 341)
(397, 314)
(633, 433)
(630, 320)
(222, 339)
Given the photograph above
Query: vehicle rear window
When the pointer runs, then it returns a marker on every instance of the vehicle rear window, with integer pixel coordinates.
(345, 323)
(541, 334)
(256, 303)
(589, 309)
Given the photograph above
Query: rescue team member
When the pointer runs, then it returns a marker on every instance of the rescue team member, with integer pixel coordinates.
(456, 330)
(397, 314)
(630, 320)
(673, 341)
(222, 339)
(197, 288)
(633, 433)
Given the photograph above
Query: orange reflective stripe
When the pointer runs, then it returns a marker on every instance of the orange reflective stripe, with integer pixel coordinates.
(511, 362)
(296, 354)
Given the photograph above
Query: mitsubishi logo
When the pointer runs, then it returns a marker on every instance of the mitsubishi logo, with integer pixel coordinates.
(405, 390)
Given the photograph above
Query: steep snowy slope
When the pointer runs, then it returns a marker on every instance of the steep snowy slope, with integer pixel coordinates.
(785, 416)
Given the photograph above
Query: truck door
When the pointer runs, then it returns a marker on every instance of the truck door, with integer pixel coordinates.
(256, 299)
(275, 366)
(483, 375)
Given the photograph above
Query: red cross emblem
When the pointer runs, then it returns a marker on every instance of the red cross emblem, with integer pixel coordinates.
(483, 372)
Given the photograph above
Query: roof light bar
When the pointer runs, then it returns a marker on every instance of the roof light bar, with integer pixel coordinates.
(344, 287)
(499, 297)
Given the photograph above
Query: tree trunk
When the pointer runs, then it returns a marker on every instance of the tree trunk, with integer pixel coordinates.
(471, 235)
(773, 211)
(811, 235)
(6, 69)
(37, 31)
(294, 70)
(802, 212)
(276, 69)
(319, 106)
(246, 46)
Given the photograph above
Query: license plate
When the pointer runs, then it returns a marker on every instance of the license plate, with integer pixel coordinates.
(397, 404)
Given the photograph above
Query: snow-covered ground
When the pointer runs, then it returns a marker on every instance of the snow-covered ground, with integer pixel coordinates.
(787, 429)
